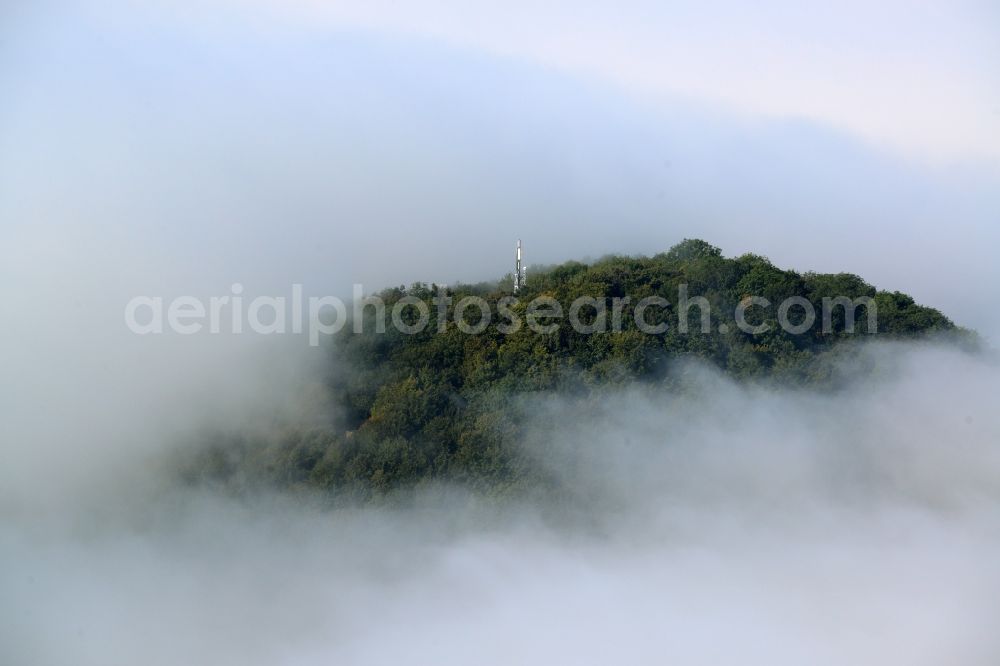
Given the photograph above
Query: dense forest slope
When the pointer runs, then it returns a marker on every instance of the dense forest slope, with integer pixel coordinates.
(446, 405)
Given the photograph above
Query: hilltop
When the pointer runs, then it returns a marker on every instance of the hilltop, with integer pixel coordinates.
(443, 404)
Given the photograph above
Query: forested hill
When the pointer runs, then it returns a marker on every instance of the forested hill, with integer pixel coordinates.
(444, 404)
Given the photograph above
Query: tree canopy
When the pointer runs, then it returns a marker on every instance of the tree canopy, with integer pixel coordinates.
(443, 404)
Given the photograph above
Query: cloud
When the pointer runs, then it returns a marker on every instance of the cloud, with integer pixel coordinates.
(197, 145)
(722, 525)
(917, 79)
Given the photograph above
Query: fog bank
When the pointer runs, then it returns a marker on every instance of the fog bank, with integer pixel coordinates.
(732, 525)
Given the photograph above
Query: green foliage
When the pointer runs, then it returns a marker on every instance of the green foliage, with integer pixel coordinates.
(445, 405)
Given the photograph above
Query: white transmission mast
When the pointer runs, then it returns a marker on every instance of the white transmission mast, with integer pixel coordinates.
(519, 274)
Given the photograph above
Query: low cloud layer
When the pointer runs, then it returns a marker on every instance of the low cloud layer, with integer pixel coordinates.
(724, 525)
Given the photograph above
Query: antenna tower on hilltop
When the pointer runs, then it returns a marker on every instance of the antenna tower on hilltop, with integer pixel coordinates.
(519, 274)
